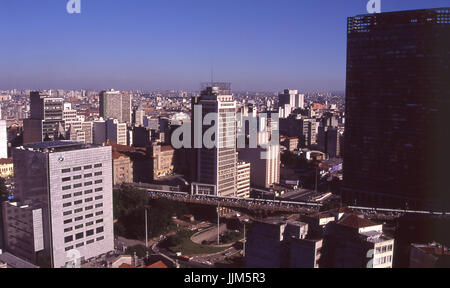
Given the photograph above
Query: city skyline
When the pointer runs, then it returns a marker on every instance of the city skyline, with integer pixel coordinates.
(164, 46)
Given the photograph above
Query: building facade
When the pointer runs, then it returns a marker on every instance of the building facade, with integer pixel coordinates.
(66, 187)
(397, 99)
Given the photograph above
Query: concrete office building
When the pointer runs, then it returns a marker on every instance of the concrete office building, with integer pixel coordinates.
(265, 171)
(243, 179)
(281, 244)
(115, 105)
(217, 166)
(110, 131)
(64, 203)
(3, 140)
(397, 103)
(116, 132)
(355, 242)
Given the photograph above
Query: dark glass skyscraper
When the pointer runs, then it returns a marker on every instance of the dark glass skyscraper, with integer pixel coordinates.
(397, 136)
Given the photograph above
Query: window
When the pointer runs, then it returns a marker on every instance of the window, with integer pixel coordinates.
(90, 242)
(99, 221)
(67, 213)
(89, 216)
(98, 181)
(98, 205)
(88, 183)
(99, 213)
(77, 185)
(80, 245)
(79, 218)
(98, 165)
(67, 196)
(88, 191)
(88, 175)
(99, 189)
(65, 188)
(68, 229)
(77, 169)
(68, 221)
(89, 224)
(89, 208)
(88, 167)
(78, 210)
(89, 233)
(98, 173)
(79, 236)
(67, 204)
(68, 239)
(65, 170)
(100, 230)
(100, 238)
(66, 179)
(78, 227)
(99, 197)
(78, 177)
(88, 200)
(78, 202)
(69, 248)
(77, 194)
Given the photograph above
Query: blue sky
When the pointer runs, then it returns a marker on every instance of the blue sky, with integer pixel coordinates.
(174, 44)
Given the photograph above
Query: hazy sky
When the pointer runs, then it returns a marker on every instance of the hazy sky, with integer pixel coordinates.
(174, 44)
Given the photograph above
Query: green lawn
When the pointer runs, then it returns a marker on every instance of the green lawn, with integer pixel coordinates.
(187, 247)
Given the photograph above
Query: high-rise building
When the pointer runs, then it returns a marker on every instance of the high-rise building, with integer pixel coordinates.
(63, 194)
(116, 105)
(46, 119)
(216, 164)
(397, 103)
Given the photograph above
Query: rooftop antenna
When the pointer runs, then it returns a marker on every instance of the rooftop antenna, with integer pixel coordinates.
(212, 75)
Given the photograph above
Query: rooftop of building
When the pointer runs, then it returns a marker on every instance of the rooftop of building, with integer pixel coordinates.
(355, 221)
(433, 249)
(5, 161)
(56, 146)
(13, 261)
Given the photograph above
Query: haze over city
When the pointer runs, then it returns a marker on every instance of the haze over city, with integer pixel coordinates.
(157, 45)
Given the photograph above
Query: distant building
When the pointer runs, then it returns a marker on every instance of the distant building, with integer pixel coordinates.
(163, 161)
(115, 105)
(3, 140)
(63, 194)
(122, 168)
(6, 168)
(46, 119)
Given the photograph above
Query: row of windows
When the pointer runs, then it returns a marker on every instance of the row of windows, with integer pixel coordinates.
(75, 186)
(78, 177)
(77, 194)
(88, 216)
(87, 167)
(87, 243)
(78, 202)
(78, 227)
(81, 235)
(384, 249)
